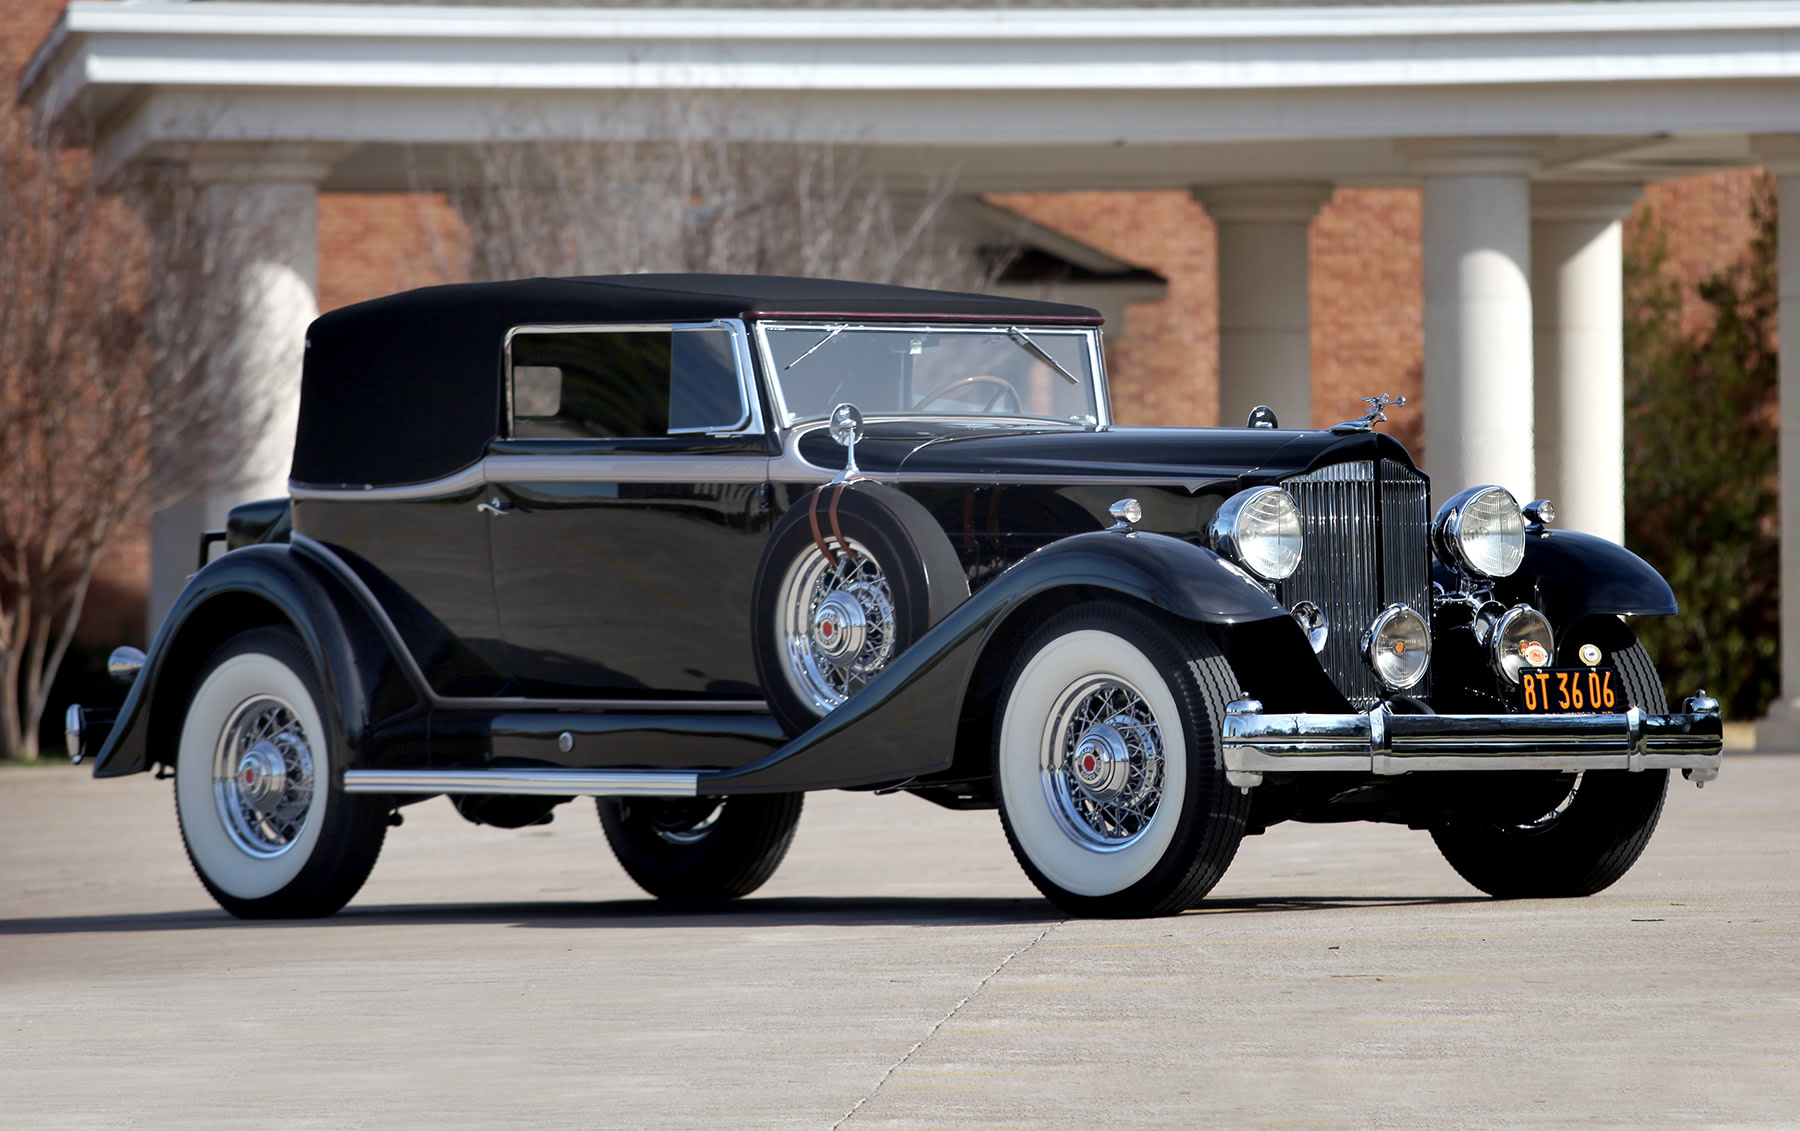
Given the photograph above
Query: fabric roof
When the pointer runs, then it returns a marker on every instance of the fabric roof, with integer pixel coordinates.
(407, 388)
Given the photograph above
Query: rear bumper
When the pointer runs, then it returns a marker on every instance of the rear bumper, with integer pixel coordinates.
(86, 729)
(1382, 742)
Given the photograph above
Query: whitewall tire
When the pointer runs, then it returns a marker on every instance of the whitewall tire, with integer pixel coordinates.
(268, 833)
(1107, 766)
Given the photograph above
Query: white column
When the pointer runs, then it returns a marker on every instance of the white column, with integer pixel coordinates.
(1265, 320)
(1478, 373)
(272, 189)
(1578, 311)
(1781, 157)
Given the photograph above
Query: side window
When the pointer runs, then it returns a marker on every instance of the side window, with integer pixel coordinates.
(704, 393)
(624, 383)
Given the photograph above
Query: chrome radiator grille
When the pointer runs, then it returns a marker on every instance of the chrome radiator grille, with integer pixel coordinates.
(1366, 549)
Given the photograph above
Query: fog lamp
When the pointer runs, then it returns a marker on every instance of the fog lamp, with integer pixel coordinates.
(1521, 639)
(1398, 647)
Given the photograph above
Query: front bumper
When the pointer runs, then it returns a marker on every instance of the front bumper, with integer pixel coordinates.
(1382, 742)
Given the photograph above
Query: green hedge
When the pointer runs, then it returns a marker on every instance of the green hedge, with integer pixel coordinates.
(1701, 468)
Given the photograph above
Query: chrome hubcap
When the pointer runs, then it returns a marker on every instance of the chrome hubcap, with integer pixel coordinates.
(837, 623)
(263, 776)
(840, 628)
(1103, 763)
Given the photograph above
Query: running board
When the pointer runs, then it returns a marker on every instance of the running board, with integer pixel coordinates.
(526, 782)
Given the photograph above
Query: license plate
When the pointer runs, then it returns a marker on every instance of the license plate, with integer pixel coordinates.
(1573, 691)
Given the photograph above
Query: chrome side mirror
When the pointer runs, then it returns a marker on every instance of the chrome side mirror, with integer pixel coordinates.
(1262, 416)
(124, 665)
(847, 428)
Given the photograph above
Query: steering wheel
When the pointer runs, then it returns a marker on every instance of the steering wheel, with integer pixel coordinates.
(1005, 390)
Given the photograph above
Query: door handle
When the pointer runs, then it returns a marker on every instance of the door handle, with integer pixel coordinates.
(494, 506)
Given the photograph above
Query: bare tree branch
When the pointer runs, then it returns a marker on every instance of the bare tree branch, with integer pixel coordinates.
(120, 383)
(702, 201)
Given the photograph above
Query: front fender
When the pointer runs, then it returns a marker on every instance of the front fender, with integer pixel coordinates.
(903, 724)
(363, 685)
(1570, 575)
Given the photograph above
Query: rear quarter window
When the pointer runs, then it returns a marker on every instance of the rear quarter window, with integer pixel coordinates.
(578, 384)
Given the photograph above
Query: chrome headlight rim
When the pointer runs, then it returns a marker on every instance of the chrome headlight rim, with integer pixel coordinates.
(1452, 538)
(1227, 535)
(1380, 630)
(1510, 634)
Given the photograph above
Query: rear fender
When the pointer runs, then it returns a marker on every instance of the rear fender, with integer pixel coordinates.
(271, 584)
(904, 723)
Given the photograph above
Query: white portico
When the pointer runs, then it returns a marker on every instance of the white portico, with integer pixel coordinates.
(1528, 127)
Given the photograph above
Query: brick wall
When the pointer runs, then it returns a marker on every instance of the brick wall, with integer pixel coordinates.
(23, 25)
(1164, 367)
(1368, 309)
(373, 244)
(1708, 223)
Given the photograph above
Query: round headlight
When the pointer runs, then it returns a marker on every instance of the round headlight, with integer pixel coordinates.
(1260, 530)
(1398, 647)
(1481, 531)
(1521, 640)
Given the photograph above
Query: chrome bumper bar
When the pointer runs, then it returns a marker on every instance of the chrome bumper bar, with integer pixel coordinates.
(1382, 742)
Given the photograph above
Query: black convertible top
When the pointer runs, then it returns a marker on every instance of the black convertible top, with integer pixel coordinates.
(407, 388)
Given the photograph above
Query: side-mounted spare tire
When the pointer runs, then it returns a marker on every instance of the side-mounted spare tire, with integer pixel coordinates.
(853, 575)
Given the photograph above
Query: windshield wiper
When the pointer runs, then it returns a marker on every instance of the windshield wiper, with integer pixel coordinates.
(1035, 350)
(818, 345)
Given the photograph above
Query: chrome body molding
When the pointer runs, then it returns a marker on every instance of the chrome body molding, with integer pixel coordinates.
(572, 468)
(461, 482)
(1383, 742)
(636, 468)
(526, 782)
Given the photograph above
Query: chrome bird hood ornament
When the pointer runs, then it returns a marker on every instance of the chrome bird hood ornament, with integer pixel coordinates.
(1376, 414)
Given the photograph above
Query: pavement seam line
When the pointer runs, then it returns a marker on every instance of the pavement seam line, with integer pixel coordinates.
(942, 1021)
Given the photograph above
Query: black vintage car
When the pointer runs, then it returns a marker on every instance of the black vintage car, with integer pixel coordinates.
(695, 545)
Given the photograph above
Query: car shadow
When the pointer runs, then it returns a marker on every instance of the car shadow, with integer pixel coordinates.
(786, 911)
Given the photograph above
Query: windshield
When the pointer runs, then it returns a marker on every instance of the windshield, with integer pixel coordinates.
(1016, 371)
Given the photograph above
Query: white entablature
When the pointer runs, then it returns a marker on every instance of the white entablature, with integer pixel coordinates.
(1010, 96)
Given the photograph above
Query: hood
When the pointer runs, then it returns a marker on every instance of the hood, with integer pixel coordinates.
(1194, 457)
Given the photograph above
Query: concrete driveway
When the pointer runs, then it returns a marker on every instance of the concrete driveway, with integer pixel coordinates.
(898, 972)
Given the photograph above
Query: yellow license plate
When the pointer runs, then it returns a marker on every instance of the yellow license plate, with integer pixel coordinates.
(1574, 691)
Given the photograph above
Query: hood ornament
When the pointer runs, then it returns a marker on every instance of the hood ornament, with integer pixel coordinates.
(1374, 416)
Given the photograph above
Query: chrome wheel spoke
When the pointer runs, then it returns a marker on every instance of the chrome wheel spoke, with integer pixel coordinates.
(263, 776)
(1102, 763)
(837, 623)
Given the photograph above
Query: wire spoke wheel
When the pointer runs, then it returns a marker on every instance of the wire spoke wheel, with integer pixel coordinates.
(263, 776)
(268, 833)
(837, 622)
(1107, 765)
(1103, 763)
(853, 574)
